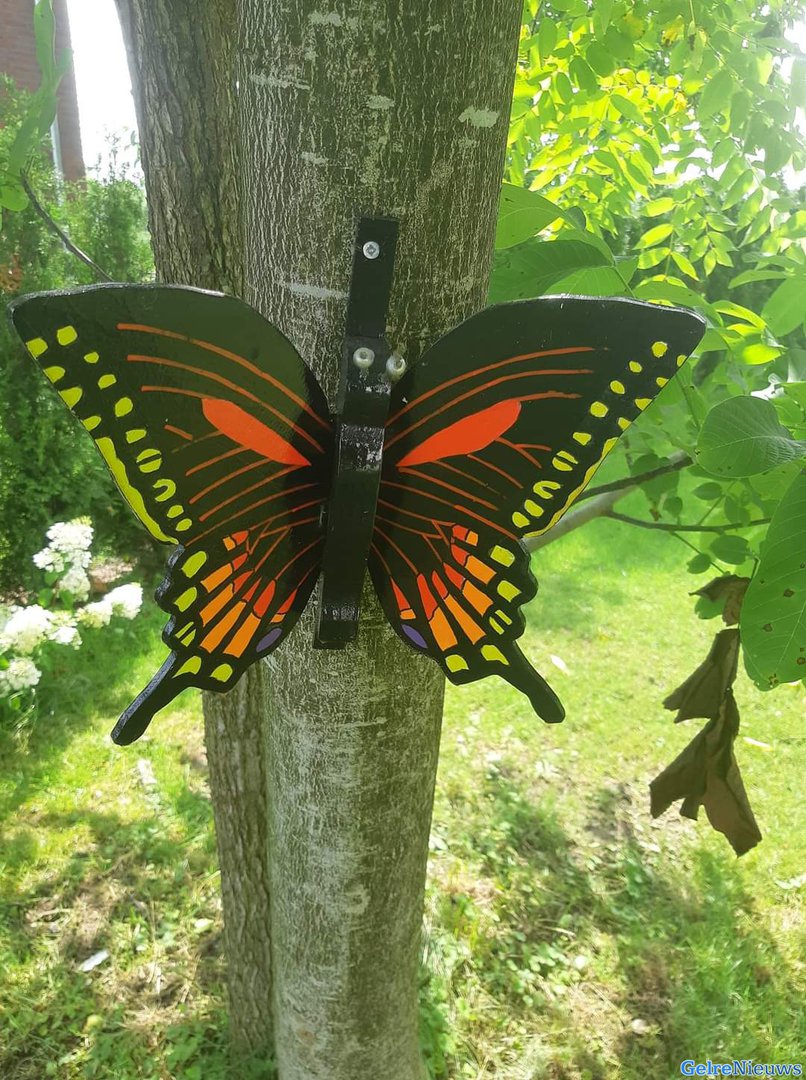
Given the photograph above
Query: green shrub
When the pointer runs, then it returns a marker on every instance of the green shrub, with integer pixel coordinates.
(48, 468)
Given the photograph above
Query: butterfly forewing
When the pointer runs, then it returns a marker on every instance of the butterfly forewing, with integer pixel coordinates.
(491, 437)
(219, 438)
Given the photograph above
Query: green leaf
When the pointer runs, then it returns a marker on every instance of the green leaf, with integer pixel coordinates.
(699, 564)
(684, 264)
(750, 276)
(709, 491)
(565, 91)
(600, 59)
(546, 37)
(583, 75)
(592, 281)
(626, 108)
(12, 194)
(773, 619)
(530, 269)
(759, 353)
(716, 94)
(730, 549)
(521, 214)
(659, 206)
(654, 236)
(743, 436)
(786, 308)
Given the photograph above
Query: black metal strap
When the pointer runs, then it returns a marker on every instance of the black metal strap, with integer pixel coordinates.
(363, 407)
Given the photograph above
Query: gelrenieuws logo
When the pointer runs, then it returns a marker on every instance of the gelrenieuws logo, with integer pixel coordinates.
(746, 1067)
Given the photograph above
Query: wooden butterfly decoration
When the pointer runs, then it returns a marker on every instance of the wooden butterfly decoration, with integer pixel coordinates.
(221, 441)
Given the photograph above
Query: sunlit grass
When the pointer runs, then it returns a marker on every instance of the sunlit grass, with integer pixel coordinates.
(568, 935)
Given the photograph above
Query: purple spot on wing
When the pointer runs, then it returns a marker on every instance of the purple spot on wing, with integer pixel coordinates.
(414, 637)
(269, 639)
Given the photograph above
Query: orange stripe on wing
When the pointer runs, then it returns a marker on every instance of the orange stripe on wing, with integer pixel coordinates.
(240, 360)
(162, 362)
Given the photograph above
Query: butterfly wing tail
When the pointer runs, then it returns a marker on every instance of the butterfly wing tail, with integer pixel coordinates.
(520, 674)
(163, 688)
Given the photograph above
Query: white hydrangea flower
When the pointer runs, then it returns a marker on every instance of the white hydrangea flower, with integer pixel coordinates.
(97, 614)
(46, 560)
(69, 547)
(126, 600)
(66, 635)
(26, 628)
(20, 674)
(75, 582)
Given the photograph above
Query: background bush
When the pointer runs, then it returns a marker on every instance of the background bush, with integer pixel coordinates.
(48, 470)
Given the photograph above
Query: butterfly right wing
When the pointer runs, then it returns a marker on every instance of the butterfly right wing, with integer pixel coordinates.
(219, 438)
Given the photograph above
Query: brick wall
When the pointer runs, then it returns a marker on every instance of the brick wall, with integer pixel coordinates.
(18, 59)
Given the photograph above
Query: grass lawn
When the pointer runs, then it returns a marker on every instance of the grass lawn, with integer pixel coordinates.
(568, 935)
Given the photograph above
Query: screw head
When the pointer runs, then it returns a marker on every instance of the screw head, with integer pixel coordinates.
(363, 357)
(395, 366)
(371, 249)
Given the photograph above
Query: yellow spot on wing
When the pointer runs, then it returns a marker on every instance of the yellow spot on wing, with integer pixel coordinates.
(545, 488)
(66, 335)
(106, 380)
(166, 489)
(582, 437)
(659, 348)
(623, 423)
(133, 496)
(135, 435)
(492, 652)
(72, 396)
(561, 465)
(532, 508)
(54, 373)
(635, 366)
(617, 387)
(123, 406)
(36, 346)
(184, 601)
(681, 360)
(191, 666)
(222, 672)
(520, 519)
(642, 402)
(91, 357)
(598, 408)
(195, 563)
(183, 525)
(455, 663)
(508, 590)
(502, 556)
(661, 381)
(91, 423)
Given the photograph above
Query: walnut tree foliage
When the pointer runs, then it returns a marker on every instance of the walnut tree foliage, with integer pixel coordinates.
(654, 151)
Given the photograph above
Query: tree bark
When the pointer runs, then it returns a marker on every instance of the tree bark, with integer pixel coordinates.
(181, 62)
(362, 107)
(369, 108)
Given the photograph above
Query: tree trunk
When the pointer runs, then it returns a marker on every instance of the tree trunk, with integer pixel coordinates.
(381, 109)
(180, 57)
(370, 108)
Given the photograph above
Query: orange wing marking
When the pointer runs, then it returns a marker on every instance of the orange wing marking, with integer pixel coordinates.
(493, 367)
(240, 360)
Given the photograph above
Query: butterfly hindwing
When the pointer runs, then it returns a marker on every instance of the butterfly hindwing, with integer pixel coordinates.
(490, 438)
(219, 438)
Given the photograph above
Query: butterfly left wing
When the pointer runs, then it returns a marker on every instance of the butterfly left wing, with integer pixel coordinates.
(490, 438)
(219, 438)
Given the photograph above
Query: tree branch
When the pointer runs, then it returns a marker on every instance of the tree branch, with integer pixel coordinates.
(599, 501)
(663, 526)
(74, 249)
(675, 464)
